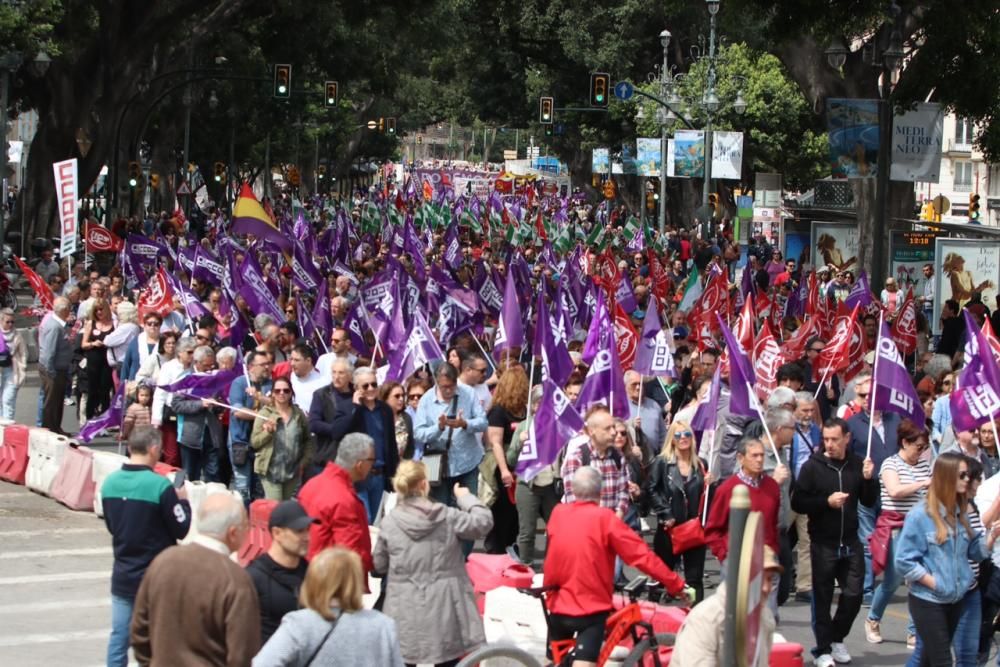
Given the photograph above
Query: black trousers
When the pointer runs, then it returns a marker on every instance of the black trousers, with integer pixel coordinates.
(846, 567)
(936, 624)
(693, 559)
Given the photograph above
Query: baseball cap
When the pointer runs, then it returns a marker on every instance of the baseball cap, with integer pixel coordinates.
(290, 514)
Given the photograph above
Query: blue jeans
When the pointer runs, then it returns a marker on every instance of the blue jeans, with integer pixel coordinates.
(443, 494)
(41, 404)
(370, 491)
(965, 641)
(242, 475)
(866, 526)
(196, 461)
(8, 393)
(121, 617)
(891, 580)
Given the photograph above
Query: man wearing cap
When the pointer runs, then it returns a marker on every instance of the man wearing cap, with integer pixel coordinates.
(278, 574)
(699, 641)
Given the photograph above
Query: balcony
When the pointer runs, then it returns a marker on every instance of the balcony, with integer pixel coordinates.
(961, 187)
(952, 146)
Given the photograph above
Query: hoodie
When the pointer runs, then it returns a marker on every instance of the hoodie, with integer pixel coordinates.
(277, 591)
(821, 476)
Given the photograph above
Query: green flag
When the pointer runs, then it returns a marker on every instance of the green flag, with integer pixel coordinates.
(632, 226)
(598, 236)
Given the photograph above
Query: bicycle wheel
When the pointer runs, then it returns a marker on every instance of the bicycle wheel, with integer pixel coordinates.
(642, 653)
(500, 654)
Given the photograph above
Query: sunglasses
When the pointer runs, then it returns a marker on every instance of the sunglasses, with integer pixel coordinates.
(414, 397)
(368, 385)
(685, 434)
(963, 475)
(281, 391)
(396, 396)
(860, 395)
(621, 433)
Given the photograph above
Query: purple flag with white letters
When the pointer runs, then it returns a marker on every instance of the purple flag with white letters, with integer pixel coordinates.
(421, 348)
(510, 330)
(550, 346)
(598, 327)
(552, 426)
(742, 399)
(207, 267)
(112, 417)
(206, 385)
(706, 416)
(452, 248)
(256, 291)
(861, 293)
(894, 390)
(605, 381)
(652, 354)
(625, 296)
(356, 324)
(976, 402)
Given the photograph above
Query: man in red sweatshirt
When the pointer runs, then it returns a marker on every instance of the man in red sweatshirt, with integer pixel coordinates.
(583, 540)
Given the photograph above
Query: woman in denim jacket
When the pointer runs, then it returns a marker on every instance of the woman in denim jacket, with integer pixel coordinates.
(933, 555)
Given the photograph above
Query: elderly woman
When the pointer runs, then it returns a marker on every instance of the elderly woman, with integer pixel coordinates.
(374, 417)
(117, 342)
(99, 326)
(282, 442)
(419, 548)
(331, 600)
(199, 431)
(13, 362)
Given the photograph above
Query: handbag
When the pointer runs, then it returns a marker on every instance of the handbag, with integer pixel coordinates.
(690, 534)
(437, 463)
(329, 632)
(240, 453)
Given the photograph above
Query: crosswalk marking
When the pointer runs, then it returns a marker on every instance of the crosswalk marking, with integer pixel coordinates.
(54, 637)
(56, 553)
(35, 607)
(59, 576)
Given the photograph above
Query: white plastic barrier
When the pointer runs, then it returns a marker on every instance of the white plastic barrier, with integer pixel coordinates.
(105, 463)
(512, 617)
(196, 493)
(45, 454)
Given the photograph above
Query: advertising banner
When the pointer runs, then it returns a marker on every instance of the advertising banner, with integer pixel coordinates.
(964, 266)
(727, 155)
(67, 204)
(853, 128)
(835, 244)
(916, 144)
(689, 153)
(599, 161)
(648, 156)
(908, 253)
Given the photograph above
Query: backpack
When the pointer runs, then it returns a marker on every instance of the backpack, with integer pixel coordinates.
(616, 456)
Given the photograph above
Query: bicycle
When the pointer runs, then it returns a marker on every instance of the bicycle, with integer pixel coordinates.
(626, 623)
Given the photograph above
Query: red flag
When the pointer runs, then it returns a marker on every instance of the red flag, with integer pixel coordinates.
(400, 202)
(743, 330)
(157, 296)
(626, 337)
(101, 239)
(44, 292)
(428, 191)
(715, 299)
(606, 273)
(659, 280)
(767, 355)
(992, 339)
(795, 346)
(540, 228)
(904, 329)
(837, 354)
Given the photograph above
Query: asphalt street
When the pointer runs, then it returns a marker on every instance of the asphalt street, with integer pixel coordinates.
(55, 568)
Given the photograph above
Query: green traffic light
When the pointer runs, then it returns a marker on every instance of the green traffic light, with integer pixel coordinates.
(600, 98)
(132, 182)
(282, 89)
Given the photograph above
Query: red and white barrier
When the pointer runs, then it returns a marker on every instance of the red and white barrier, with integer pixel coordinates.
(104, 463)
(14, 453)
(73, 485)
(46, 451)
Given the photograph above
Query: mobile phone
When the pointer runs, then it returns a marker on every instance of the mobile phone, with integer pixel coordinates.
(179, 479)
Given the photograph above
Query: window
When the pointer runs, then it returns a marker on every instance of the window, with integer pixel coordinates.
(963, 132)
(994, 184)
(963, 176)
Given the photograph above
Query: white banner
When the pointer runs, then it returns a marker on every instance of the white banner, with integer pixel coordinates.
(67, 202)
(916, 144)
(727, 155)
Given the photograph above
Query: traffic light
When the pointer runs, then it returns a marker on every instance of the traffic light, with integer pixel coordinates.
(154, 180)
(282, 81)
(973, 207)
(321, 171)
(650, 202)
(381, 125)
(545, 109)
(331, 94)
(713, 203)
(134, 174)
(600, 89)
(390, 126)
(220, 172)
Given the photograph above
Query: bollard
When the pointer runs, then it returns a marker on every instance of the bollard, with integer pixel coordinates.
(739, 510)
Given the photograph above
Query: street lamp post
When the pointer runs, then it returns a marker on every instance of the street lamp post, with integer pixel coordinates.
(664, 84)
(889, 61)
(710, 101)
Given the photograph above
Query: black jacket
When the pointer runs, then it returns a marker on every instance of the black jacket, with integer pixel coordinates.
(277, 591)
(330, 417)
(390, 451)
(670, 496)
(820, 477)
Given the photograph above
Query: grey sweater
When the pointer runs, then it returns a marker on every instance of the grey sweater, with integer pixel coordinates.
(361, 638)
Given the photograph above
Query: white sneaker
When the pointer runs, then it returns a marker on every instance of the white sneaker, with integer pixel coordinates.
(825, 660)
(839, 653)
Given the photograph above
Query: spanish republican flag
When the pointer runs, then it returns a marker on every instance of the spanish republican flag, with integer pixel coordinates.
(249, 217)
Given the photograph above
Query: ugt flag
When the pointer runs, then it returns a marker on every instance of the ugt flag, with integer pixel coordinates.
(555, 422)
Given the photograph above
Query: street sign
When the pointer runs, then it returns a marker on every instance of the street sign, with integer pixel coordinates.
(183, 189)
(509, 155)
(624, 90)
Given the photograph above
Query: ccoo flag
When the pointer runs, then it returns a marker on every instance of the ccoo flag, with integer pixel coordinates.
(550, 346)
(420, 349)
(653, 355)
(552, 426)
(742, 400)
(249, 217)
(510, 330)
(895, 391)
(976, 402)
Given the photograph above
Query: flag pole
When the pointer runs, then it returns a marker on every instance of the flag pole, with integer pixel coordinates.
(378, 348)
(822, 381)
(531, 381)
(763, 421)
(871, 397)
(482, 349)
(711, 455)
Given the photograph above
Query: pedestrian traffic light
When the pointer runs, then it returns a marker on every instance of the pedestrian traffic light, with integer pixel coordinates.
(381, 125)
(545, 108)
(331, 94)
(282, 81)
(154, 180)
(321, 171)
(220, 172)
(713, 203)
(650, 201)
(600, 88)
(134, 174)
(973, 207)
(390, 126)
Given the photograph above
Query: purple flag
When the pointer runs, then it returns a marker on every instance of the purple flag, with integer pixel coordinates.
(322, 318)
(452, 247)
(598, 327)
(207, 267)
(652, 354)
(861, 293)
(894, 391)
(112, 417)
(510, 330)
(550, 346)
(256, 291)
(4, 348)
(976, 402)
(625, 296)
(558, 421)
(706, 416)
(978, 355)
(205, 385)
(605, 381)
(420, 349)
(356, 324)
(193, 308)
(742, 399)
(304, 273)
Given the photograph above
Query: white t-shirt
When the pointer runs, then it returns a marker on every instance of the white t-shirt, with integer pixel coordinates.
(304, 388)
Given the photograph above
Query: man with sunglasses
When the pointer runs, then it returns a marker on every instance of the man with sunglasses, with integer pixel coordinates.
(251, 391)
(828, 397)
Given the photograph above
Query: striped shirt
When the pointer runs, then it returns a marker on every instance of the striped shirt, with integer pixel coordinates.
(907, 474)
(976, 522)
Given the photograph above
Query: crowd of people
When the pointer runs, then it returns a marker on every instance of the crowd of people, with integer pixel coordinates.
(410, 357)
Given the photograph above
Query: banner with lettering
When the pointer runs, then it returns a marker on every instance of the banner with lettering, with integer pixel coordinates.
(727, 155)
(67, 203)
(916, 144)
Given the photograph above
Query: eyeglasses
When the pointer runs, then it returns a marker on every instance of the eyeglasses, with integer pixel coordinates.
(685, 434)
(368, 385)
(281, 391)
(152, 323)
(396, 395)
(621, 433)
(289, 312)
(963, 475)
(414, 397)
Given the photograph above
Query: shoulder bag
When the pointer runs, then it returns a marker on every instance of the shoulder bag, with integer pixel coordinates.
(437, 462)
(690, 534)
(329, 632)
